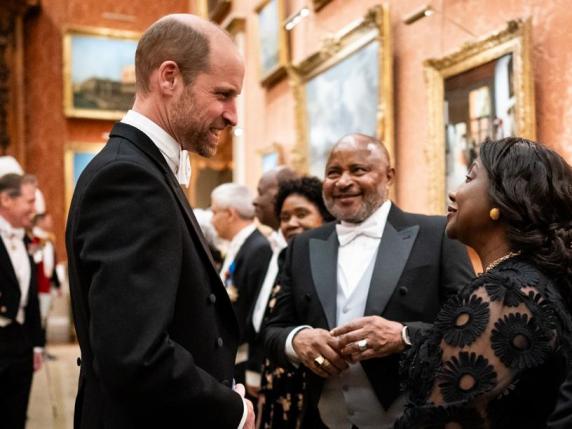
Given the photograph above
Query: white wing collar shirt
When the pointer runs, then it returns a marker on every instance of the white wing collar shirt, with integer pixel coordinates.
(13, 239)
(177, 159)
(358, 246)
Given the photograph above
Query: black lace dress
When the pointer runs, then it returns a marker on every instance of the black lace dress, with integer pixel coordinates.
(495, 357)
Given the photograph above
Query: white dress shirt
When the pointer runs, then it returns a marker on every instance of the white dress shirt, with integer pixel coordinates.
(13, 239)
(234, 247)
(277, 243)
(358, 253)
(177, 159)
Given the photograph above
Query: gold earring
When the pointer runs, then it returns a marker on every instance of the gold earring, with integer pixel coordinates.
(494, 214)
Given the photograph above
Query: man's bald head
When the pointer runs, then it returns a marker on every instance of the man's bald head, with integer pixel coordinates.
(267, 189)
(183, 38)
(359, 141)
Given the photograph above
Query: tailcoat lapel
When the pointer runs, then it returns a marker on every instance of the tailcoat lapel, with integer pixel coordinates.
(324, 263)
(6, 265)
(146, 145)
(393, 252)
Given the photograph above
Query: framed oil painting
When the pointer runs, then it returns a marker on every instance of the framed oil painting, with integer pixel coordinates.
(76, 158)
(99, 72)
(344, 88)
(272, 41)
(485, 90)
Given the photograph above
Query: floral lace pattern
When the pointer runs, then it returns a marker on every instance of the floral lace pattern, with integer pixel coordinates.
(500, 345)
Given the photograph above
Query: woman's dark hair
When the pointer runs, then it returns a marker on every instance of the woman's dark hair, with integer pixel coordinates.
(532, 186)
(308, 187)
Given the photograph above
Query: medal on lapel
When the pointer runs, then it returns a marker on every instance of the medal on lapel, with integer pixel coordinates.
(231, 289)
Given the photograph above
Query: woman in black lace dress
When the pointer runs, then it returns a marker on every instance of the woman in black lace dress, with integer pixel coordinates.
(498, 351)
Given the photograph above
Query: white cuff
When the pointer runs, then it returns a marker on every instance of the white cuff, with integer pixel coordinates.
(38, 349)
(405, 336)
(253, 378)
(289, 348)
(244, 414)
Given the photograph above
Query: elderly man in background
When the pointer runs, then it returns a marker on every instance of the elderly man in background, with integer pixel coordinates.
(244, 265)
(21, 335)
(357, 293)
(156, 329)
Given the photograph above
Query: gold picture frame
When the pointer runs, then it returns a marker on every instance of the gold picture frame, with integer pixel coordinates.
(514, 41)
(99, 72)
(371, 34)
(76, 156)
(273, 47)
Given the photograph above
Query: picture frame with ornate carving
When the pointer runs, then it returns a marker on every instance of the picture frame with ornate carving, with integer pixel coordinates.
(333, 91)
(99, 72)
(272, 41)
(319, 4)
(485, 89)
(272, 157)
(76, 157)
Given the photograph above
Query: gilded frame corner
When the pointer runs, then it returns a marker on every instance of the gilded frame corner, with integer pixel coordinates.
(105, 33)
(514, 39)
(70, 149)
(270, 77)
(375, 25)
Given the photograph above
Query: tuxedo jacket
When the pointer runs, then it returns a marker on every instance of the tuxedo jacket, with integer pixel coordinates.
(251, 263)
(156, 329)
(416, 269)
(10, 295)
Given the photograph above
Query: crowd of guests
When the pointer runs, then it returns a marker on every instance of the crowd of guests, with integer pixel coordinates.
(329, 306)
(329, 316)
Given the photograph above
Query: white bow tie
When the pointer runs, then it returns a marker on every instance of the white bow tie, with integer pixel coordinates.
(347, 233)
(184, 170)
(13, 233)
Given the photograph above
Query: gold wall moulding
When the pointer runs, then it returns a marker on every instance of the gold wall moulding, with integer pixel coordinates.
(465, 70)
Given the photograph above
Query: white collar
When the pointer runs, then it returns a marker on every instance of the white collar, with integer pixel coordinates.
(241, 236)
(9, 231)
(378, 217)
(277, 241)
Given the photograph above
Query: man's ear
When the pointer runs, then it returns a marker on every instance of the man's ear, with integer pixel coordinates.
(390, 175)
(169, 77)
(5, 199)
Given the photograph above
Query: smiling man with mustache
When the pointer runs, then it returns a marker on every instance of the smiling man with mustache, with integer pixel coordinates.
(357, 293)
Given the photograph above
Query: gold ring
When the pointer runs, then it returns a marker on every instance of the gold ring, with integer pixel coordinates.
(325, 364)
(319, 361)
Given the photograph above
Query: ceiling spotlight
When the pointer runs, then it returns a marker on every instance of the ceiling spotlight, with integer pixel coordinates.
(295, 19)
(420, 14)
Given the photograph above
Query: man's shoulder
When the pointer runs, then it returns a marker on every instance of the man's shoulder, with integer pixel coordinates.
(321, 233)
(402, 218)
(256, 240)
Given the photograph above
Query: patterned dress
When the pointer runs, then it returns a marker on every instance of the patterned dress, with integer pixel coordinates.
(495, 357)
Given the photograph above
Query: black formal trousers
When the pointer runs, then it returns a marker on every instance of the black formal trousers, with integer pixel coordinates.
(417, 267)
(156, 328)
(16, 343)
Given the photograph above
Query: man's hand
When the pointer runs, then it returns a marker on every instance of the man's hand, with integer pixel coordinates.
(310, 344)
(37, 360)
(383, 338)
(250, 417)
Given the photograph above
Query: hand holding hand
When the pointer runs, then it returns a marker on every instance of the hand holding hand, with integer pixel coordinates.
(369, 337)
(317, 349)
